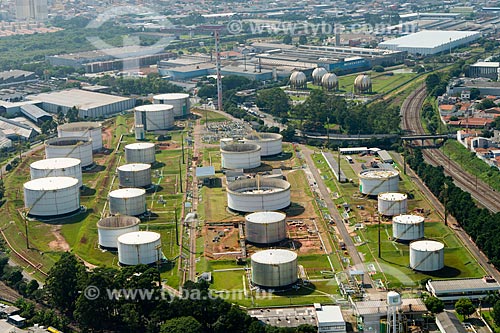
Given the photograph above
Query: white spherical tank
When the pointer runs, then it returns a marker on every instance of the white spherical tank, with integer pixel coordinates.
(376, 181)
(274, 268)
(57, 167)
(265, 227)
(363, 83)
(140, 133)
(110, 228)
(52, 196)
(89, 129)
(127, 201)
(318, 74)
(391, 204)
(258, 194)
(140, 152)
(330, 81)
(298, 80)
(154, 116)
(73, 147)
(426, 255)
(270, 143)
(179, 101)
(407, 227)
(134, 175)
(240, 156)
(139, 247)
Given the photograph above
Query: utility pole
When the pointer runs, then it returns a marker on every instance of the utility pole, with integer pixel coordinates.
(217, 65)
(26, 229)
(445, 204)
(176, 226)
(182, 145)
(379, 247)
(180, 174)
(338, 165)
(327, 132)
(404, 157)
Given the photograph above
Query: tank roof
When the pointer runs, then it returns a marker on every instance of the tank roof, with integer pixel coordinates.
(140, 145)
(274, 256)
(80, 126)
(264, 137)
(55, 163)
(240, 148)
(154, 107)
(171, 96)
(118, 222)
(139, 237)
(68, 141)
(265, 217)
(378, 173)
(50, 183)
(392, 196)
(427, 245)
(408, 219)
(134, 167)
(126, 193)
(255, 186)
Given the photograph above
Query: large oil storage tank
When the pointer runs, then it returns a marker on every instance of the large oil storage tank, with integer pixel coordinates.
(265, 227)
(318, 74)
(407, 227)
(426, 255)
(240, 156)
(392, 203)
(52, 196)
(57, 167)
(298, 80)
(270, 143)
(134, 175)
(110, 228)
(127, 201)
(89, 129)
(274, 268)
(139, 247)
(376, 181)
(140, 152)
(179, 101)
(330, 81)
(154, 116)
(258, 194)
(74, 147)
(363, 84)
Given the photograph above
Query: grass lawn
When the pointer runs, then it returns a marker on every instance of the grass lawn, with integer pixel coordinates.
(210, 116)
(488, 316)
(381, 82)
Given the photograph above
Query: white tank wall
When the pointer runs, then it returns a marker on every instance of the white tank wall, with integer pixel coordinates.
(375, 185)
(255, 202)
(86, 129)
(132, 203)
(134, 175)
(43, 200)
(270, 143)
(247, 159)
(140, 153)
(281, 273)
(67, 167)
(146, 253)
(407, 227)
(81, 150)
(179, 101)
(154, 117)
(391, 204)
(110, 228)
(426, 256)
(265, 227)
(140, 133)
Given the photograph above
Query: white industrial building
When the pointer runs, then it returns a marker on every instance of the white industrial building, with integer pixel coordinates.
(454, 289)
(330, 319)
(428, 42)
(488, 69)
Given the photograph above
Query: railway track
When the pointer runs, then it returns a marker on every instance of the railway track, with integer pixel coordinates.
(482, 192)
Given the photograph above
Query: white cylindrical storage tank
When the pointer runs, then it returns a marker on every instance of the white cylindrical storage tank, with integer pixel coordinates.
(265, 227)
(127, 201)
(57, 167)
(139, 247)
(179, 101)
(225, 141)
(52, 196)
(407, 227)
(140, 134)
(73, 147)
(270, 143)
(240, 156)
(140, 152)
(391, 203)
(258, 194)
(376, 181)
(426, 255)
(89, 129)
(110, 228)
(134, 175)
(154, 117)
(393, 298)
(274, 268)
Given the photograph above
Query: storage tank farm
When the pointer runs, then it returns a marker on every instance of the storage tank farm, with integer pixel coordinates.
(407, 227)
(57, 167)
(270, 143)
(275, 268)
(140, 152)
(89, 129)
(112, 227)
(52, 196)
(376, 181)
(258, 194)
(154, 117)
(139, 247)
(134, 175)
(426, 255)
(392, 203)
(74, 147)
(127, 201)
(240, 156)
(179, 101)
(265, 227)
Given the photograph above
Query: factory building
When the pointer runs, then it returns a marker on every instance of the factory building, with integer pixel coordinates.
(15, 77)
(16, 131)
(35, 114)
(454, 289)
(485, 69)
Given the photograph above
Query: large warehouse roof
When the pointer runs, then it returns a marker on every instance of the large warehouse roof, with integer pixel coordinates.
(429, 38)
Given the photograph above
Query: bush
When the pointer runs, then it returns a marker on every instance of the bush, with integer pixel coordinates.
(378, 69)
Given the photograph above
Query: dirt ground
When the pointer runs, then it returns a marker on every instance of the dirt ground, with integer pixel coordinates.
(59, 244)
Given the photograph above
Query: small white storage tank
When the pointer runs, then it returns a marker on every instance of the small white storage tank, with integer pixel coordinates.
(376, 181)
(140, 152)
(393, 298)
(127, 201)
(274, 268)
(73, 147)
(154, 116)
(407, 227)
(134, 175)
(179, 101)
(52, 196)
(426, 255)
(240, 156)
(57, 167)
(140, 134)
(139, 247)
(258, 194)
(270, 143)
(265, 227)
(89, 129)
(110, 228)
(392, 203)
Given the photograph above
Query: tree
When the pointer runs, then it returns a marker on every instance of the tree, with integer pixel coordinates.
(432, 81)
(287, 39)
(72, 115)
(288, 133)
(434, 304)
(2, 187)
(182, 325)
(302, 40)
(464, 307)
(207, 91)
(496, 313)
(306, 328)
(474, 94)
(486, 104)
(273, 101)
